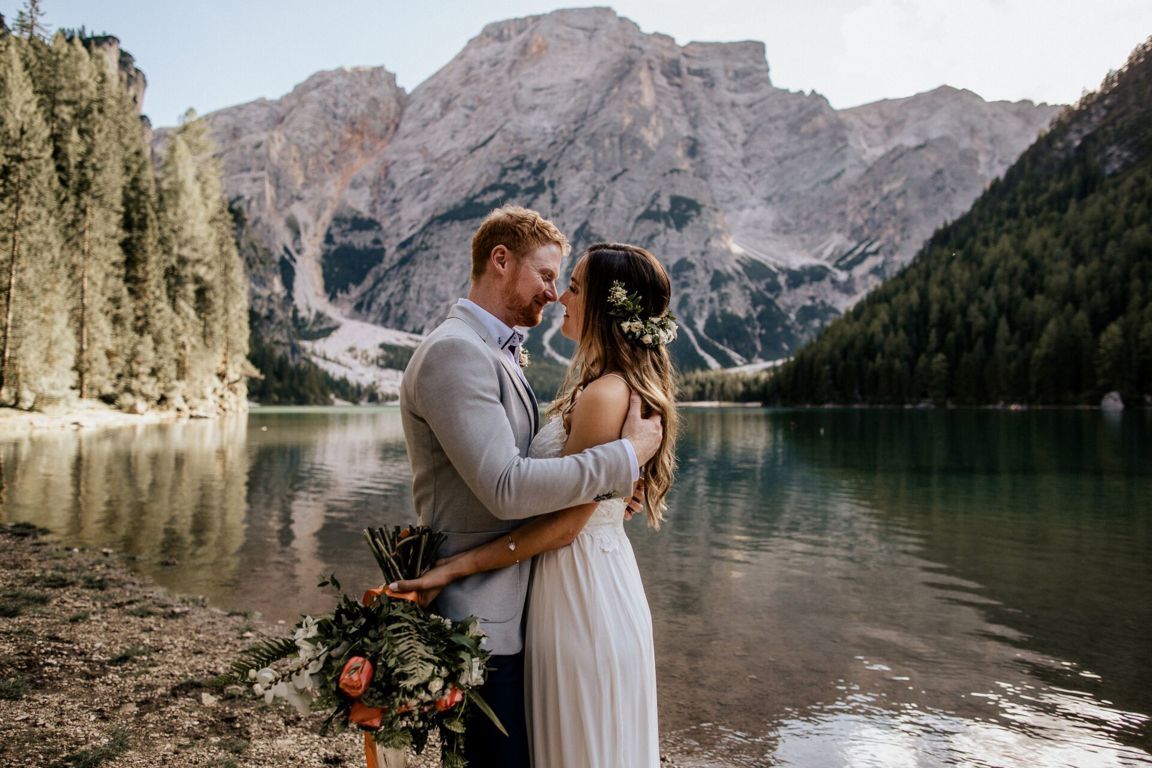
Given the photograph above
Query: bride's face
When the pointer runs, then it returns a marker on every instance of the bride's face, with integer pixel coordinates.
(573, 301)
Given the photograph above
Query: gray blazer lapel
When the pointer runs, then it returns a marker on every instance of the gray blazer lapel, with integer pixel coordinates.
(523, 391)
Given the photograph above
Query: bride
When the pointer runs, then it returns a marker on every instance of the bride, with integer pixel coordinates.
(589, 660)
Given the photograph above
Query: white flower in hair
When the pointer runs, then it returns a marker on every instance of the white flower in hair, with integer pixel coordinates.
(653, 332)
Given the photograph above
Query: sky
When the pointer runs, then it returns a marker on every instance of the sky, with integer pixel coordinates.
(211, 54)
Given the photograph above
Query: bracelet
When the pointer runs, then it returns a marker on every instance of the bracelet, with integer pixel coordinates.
(512, 545)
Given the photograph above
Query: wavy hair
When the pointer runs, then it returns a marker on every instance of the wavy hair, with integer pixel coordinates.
(603, 347)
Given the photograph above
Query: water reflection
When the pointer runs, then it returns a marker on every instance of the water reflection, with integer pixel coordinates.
(831, 589)
(249, 512)
(1050, 514)
(173, 495)
(855, 569)
(319, 478)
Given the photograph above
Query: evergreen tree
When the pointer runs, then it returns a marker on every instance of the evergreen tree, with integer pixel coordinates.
(224, 303)
(35, 342)
(150, 357)
(29, 21)
(186, 239)
(91, 172)
(204, 277)
(1111, 358)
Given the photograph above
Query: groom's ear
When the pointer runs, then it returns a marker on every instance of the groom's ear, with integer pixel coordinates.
(500, 258)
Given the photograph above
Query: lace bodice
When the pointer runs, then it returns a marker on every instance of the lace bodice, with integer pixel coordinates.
(548, 443)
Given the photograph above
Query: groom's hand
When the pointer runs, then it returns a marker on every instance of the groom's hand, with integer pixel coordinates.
(645, 434)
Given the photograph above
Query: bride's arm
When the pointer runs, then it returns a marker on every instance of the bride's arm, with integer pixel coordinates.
(596, 419)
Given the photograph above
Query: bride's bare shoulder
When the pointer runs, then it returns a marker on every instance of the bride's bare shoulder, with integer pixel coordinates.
(609, 385)
(606, 395)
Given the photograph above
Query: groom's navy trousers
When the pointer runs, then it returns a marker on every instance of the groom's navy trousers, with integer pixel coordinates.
(486, 747)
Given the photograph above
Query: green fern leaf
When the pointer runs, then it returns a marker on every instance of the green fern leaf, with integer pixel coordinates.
(263, 654)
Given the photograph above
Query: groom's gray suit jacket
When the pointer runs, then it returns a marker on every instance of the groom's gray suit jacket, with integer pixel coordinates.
(468, 421)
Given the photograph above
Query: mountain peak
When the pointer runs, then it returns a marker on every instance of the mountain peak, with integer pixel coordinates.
(590, 20)
(772, 211)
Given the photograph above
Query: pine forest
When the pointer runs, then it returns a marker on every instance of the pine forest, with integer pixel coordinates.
(119, 274)
(1040, 294)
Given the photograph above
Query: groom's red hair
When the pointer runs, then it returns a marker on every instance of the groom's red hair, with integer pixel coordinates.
(517, 229)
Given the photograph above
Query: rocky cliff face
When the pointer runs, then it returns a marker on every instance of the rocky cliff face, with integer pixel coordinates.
(123, 62)
(773, 211)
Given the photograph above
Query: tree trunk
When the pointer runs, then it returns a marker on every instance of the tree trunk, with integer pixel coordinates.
(10, 298)
(83, 352)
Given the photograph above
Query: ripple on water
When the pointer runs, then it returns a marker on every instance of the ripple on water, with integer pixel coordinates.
(1052, 729)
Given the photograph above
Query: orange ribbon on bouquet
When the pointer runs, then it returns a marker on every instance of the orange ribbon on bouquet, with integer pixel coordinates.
(371, 716)
(370, 750)
(371, 595)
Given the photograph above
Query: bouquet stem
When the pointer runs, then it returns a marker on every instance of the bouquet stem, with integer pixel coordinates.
(383, 757)
(404, 553)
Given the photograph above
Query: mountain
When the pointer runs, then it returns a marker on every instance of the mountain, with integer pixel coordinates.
(773, 211)
(1042, 293)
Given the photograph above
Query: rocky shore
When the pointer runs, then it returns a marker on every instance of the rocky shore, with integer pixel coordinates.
(99, 667)
(82, 414)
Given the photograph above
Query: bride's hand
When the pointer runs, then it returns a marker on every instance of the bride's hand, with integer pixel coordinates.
(428, 586)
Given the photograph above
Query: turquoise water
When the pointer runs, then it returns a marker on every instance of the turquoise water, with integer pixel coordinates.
(832, 588)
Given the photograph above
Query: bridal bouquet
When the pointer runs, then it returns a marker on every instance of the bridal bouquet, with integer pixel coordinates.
(382, 664)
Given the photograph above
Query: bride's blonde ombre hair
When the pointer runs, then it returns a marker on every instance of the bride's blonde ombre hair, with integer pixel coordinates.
(604, 348)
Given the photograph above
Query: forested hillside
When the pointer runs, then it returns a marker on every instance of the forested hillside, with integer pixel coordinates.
(119, 277)
(1041, 293)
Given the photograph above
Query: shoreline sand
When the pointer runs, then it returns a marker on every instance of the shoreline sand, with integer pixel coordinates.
(90, 414)
(86, 414)
(100, 666)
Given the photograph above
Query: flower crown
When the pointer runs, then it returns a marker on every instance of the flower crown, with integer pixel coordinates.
(652, 332)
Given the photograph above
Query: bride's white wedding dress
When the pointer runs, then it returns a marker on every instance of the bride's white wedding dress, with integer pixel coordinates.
(590, 666)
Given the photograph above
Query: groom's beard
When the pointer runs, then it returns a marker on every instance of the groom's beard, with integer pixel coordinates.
(527, 315)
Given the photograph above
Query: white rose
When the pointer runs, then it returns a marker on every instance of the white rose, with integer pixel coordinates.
(305, 631)
(435, 686)
(280, 690)
(302, 681)
(296, 699)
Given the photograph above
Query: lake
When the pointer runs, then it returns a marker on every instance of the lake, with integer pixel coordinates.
(832, 588)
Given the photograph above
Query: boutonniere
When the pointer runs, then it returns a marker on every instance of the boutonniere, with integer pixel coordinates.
(522, 357)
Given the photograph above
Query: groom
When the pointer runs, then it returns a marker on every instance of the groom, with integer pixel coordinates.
(469, 416)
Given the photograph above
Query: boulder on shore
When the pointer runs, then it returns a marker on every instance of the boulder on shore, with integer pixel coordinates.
(1112, 402)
